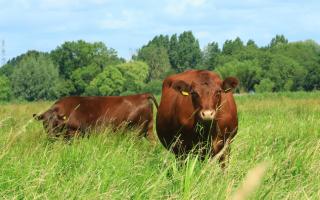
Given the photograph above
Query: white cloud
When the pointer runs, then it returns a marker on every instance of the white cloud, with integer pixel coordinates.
(65, 4)
(196, 2)
(176, 7)
(202, 34)
(128, 19)
(114, 23)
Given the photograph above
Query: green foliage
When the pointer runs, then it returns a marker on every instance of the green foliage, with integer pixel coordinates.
(63, 88)
(153, 87)
(135, 74)
(250, 52)
(189, 51)
(231, 47)
(5, 88)
(161, 41)
(252, 44)
(286, 73)
(312, 79)
(174, 51)
(73, 55)
(157, 59)
(8, 68)
(109, 82)
(180, 53)
(248, 72)
(265, 85)
(210, 56)
(81, 77)
(34, 77)
(290, 66)
(307, 54)
(277, 41)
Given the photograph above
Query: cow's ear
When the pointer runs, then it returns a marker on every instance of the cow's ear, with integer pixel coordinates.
(181, 87)
(230, 83)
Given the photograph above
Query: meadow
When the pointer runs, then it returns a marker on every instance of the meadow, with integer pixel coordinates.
(280, 130)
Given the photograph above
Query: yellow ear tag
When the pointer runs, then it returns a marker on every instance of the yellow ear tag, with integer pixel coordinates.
(184, 93)
(64, 117)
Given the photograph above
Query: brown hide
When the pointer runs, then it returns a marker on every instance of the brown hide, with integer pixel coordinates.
(197, 111)
(75, 114)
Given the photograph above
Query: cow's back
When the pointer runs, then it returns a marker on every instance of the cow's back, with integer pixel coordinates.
(79, 112)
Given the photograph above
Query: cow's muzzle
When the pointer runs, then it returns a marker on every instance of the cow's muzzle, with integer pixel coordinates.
(207, 115)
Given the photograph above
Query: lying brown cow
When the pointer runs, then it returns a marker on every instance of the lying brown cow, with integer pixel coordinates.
(197, 111)
(74, 115)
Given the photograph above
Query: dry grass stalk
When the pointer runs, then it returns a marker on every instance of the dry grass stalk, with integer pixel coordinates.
(251, 182)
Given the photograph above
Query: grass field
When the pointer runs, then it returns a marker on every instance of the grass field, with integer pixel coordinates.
(280, 130)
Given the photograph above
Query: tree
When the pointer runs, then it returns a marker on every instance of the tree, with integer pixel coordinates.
(189, 51)
(63, 88)
(312, 79)
(157, 60)
(82, 77)
(278, 41)
(34, 77)
(5, 88)
(249, 52)
(153, 87)
(232, 47)
(73, 55)
(160, 41)
(286, 73)
(183, 52)
(135, 74)
(174, 51)
(8, 68)
(248, 72)
(265, 85)
(307, 54)
(109, 82)
(252, 44)
(210, 55)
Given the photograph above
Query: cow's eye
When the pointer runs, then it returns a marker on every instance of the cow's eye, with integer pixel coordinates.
(194, 94)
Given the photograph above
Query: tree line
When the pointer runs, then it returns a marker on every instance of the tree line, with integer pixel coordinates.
(84, 68)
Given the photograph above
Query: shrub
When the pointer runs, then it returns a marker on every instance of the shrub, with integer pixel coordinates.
(265, 85)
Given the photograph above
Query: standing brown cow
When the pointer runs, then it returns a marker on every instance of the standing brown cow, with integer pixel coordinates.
(75, 114)
(197, 111)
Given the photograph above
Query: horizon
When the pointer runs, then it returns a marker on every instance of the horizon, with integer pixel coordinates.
(43, 25)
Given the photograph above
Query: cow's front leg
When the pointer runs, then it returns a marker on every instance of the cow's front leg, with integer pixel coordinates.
(221, 150)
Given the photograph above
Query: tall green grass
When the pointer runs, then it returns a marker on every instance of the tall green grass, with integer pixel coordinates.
(282, 130)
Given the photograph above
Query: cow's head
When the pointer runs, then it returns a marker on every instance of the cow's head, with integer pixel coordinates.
(206, 96)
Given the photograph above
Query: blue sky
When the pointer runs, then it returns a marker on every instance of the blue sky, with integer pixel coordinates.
(127, 25)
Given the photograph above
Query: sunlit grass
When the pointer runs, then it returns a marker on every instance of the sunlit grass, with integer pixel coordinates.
(282, 130)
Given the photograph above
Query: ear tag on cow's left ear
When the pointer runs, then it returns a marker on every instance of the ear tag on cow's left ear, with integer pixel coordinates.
(184, 93)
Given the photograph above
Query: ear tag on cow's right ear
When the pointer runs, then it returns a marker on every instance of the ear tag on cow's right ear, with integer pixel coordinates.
(184, 93)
